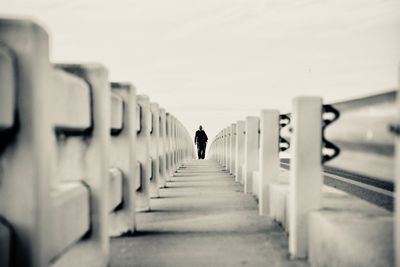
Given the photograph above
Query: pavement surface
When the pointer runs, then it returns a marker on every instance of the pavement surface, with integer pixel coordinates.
(202, 218)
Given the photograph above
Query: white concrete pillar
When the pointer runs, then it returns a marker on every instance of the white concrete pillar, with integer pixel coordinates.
(89, 163)
(168, 152)
(172, 148)
(123, 157)
(239, 153)
(24, 191)
(305, 171)
(232, 150)
(163, 149)
(222, 147)
(251, 152)
(154, 143)
(174, 145)
(227, 148)
(218, 148)
(269, 156)
(143, 155)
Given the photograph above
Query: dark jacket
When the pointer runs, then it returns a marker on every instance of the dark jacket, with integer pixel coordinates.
(200, 137)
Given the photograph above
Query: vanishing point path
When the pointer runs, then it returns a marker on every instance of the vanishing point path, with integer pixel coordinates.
(202, 218)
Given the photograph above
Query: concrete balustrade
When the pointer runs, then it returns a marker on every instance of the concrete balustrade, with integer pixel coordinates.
(27, 155)
(76, 160)
(154, 150)
(123, 163)
(143, 154)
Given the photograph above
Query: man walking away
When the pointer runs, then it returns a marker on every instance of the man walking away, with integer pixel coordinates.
(201, 140)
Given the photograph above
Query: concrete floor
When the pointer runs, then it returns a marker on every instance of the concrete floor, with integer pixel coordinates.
(203, 219)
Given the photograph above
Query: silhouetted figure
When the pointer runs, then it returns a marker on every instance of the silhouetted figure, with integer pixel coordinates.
(201, 140)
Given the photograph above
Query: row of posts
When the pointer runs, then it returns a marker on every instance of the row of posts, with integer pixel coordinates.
(79, 155)
(250, 150)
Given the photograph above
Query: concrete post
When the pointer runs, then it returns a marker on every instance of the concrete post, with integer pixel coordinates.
(269, 156)
(27, 210)
(123, 157)
(305, 171)
(143, 155)
(218, 148)
(223, 148)
(173, 145)
(232, 150)
(227, 148)
(239, 153)
(251, 152)
(173, 132)
(95, 171)
(168, 151)
(163, 149)
(154, 142)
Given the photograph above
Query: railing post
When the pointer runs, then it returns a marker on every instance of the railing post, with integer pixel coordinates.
(163, 149)
(251, 152)
(174, 144)
(305, 171)
(95, 172)
(168, 149)
(218, 148)
(123, 156)
(239, 152)
(143, 155)
(232, 148)
(223, 147)
(26, 175)
(227, 148)
(154, 157)
(269, 156)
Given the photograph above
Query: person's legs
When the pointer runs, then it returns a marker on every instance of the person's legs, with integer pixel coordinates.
(199, 151)
(203, 151)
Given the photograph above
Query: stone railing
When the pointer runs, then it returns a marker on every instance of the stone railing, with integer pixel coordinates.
(79, 155)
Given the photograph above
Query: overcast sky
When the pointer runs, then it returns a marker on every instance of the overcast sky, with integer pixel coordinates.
(212, 62)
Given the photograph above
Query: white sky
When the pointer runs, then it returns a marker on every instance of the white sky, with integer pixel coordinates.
(212, 62)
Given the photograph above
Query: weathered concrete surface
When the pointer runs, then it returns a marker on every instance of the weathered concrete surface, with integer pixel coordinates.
(350, 232)
(203, 218)
(70, 218)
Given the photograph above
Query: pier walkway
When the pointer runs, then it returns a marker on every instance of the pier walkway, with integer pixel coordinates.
(202, 218)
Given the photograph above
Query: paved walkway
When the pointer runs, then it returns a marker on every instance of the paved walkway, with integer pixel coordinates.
(203, 219)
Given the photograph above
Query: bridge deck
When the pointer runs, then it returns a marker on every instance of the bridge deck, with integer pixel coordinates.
(203, 219)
